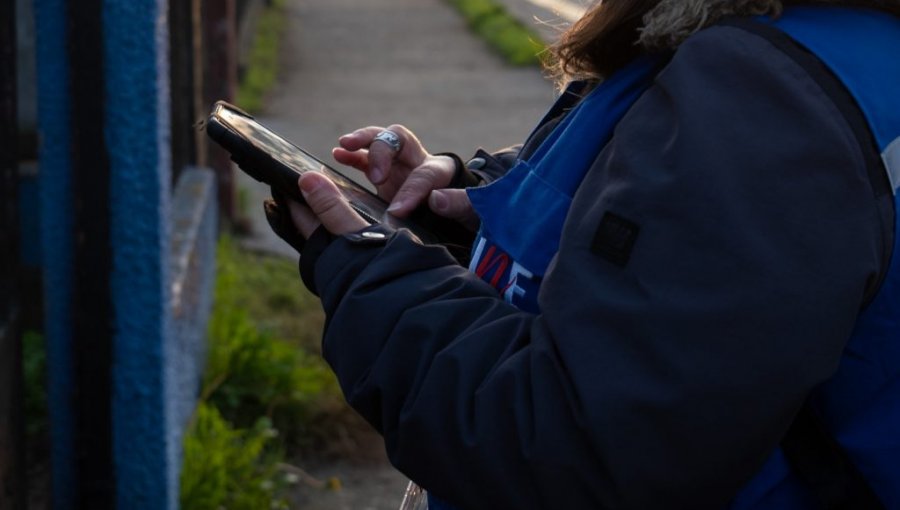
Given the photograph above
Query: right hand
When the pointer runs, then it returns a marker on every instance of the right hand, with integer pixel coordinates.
(408, 177)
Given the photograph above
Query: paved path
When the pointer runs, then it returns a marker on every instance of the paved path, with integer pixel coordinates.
(352, 63)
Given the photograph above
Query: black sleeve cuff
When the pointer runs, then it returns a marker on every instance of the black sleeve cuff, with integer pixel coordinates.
(488, 167)
(321, 239)
(315, 245)
(462, 176)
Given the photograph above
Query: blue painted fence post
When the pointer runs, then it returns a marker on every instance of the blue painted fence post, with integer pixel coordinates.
(137, 134)
(127, 268)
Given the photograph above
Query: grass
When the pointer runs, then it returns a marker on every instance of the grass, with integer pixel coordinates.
(516, 43)
(225, 467)
(268, 290)
(267, 396)
(264, 337)
(262, 65)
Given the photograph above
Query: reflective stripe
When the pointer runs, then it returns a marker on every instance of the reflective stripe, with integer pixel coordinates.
(891, 156)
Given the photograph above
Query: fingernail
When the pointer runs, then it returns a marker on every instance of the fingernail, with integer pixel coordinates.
(395, 206)
(439, 201)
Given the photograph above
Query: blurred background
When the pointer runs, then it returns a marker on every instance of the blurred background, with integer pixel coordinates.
(157, 349)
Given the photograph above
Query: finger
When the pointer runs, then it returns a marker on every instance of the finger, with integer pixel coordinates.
(304, 220)
(418, 186)
(329, 206)
(356, 159)
(360, 161)
(453, 204)
(381, 157)
(359, 139)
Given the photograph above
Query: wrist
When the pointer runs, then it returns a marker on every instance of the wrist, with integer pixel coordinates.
(376, 235)
(462, 176)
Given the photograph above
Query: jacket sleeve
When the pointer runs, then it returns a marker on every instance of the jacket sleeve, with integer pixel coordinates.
(659, 381)
(490, 166)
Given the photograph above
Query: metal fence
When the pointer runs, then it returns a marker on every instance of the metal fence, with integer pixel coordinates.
(67, 217)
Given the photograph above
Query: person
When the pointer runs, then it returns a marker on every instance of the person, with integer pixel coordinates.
(684, 284)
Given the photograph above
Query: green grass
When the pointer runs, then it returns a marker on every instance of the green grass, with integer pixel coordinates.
(511, 39)
(262, 65)
(226, 467)
(264, 348)
(267, 396)
(268, 290)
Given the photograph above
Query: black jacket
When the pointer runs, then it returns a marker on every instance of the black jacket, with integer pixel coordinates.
(661, 384)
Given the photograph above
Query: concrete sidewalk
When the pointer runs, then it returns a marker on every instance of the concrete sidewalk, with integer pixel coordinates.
(348, 64)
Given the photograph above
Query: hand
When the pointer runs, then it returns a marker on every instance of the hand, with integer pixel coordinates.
(384, 167)
(324, 206)
(406, 177)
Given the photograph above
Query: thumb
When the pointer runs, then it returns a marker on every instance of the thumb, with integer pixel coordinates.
(453, 204)
(327, 203)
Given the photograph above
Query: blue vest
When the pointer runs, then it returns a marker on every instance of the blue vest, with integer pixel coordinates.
(860, 404)
(523, 214)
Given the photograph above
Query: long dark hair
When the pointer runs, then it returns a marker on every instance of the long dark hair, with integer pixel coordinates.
(607, 37)
(601, 41)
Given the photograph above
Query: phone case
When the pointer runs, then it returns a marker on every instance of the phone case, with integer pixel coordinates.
(270, 158)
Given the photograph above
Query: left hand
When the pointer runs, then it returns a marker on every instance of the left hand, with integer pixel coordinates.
(324, 206)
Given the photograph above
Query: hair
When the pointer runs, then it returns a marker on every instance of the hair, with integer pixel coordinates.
(614, 32)
(601, 41)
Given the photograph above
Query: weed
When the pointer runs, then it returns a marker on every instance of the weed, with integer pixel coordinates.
(255, 380)
(262, 66)
(225, 467)
(268, 291)
(250, 374)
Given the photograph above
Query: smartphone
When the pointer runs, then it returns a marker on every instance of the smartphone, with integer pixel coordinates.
(268, 157)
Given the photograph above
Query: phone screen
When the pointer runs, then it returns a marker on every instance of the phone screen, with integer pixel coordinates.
(295, 158)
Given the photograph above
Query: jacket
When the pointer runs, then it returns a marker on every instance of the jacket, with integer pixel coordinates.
(662, 382)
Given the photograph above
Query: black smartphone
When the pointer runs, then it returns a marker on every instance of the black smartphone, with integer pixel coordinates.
(270, 158)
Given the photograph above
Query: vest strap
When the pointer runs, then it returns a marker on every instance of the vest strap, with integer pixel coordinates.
(817, 459)
(836, 91)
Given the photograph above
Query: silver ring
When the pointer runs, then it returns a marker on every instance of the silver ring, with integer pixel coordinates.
(389, 137)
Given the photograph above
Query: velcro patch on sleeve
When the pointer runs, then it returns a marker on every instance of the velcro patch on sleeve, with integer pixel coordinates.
(615, 238)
